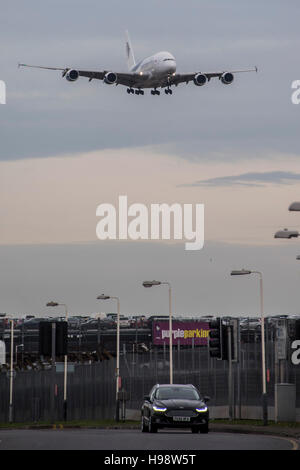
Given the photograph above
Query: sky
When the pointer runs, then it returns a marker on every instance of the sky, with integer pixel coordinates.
(67, 147)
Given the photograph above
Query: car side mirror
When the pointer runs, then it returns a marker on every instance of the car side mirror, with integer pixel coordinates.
(147, 397)
(206, 399)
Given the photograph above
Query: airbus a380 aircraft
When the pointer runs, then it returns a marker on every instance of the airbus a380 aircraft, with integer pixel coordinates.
(156, 71)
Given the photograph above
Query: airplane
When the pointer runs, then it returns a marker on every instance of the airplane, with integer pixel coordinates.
(156, 71)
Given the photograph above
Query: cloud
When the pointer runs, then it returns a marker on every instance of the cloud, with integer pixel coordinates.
(251, 179)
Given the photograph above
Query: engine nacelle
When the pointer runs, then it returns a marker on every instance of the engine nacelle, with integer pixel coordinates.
(110, 78)
(227, 78)
(200, 79)
(72, 75)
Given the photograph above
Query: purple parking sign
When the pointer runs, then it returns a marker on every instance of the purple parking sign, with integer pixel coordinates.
(184, 332)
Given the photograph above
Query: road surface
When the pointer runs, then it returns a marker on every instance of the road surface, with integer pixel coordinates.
(110, 439)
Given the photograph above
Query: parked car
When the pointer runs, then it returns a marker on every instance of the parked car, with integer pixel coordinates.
(174, 406)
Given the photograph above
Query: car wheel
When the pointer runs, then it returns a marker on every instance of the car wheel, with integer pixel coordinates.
(152, 427)
(204, 428)
(195, 429)
(144, 428)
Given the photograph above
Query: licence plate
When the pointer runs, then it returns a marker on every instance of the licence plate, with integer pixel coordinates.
(181, 418)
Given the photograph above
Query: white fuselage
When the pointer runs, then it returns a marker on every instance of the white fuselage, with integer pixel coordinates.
(156, 68)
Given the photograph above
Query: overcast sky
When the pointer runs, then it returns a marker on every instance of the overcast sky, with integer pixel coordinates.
(68, 147)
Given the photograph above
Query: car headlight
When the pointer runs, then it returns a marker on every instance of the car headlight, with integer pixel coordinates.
(202, 409)
(159, 408)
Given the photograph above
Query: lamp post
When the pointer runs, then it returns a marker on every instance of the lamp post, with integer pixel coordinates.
(56, 304)
(107, 297)
(264, 385)
(10, 411)
(158, 283)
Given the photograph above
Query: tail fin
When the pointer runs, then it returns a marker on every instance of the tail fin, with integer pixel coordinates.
(129, 52)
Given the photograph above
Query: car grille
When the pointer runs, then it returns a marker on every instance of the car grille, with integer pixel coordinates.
(179, 412)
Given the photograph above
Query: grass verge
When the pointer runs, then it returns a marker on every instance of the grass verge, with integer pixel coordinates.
(71, 424)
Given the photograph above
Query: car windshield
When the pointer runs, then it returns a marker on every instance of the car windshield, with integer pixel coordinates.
(180, 393)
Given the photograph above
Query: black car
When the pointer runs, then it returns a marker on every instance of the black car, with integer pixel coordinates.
(175, 406)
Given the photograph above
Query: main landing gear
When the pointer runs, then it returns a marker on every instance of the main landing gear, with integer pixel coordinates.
(168, 91)
(137, 92)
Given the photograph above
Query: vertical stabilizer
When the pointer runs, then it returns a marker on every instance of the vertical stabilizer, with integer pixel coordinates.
(129, 52)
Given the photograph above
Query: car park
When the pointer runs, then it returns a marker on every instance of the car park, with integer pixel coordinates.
(175, 406)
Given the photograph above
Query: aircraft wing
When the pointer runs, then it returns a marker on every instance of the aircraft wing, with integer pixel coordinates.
(186, 78)
(128, 79)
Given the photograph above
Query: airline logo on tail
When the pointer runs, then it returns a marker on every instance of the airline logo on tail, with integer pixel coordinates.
(127, 49)
(129, 52)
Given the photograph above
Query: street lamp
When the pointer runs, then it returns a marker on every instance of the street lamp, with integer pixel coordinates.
(295, 206)
(107, 297)
(158, 283)
(285, 233)
(264, 385)
(56, 304)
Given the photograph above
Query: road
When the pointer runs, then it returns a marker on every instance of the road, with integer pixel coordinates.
(109, 439)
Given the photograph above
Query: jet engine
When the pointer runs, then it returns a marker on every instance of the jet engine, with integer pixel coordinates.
(227, 78)
(72, 75)
(200, 79)
(110, 78)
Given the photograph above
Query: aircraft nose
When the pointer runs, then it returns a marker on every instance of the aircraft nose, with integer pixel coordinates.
(171, 66)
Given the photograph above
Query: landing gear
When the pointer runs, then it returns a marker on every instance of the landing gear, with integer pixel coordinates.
(168, 91)
(155, 92)
(137, 92)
